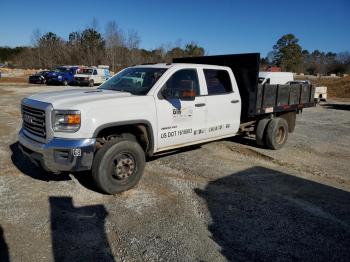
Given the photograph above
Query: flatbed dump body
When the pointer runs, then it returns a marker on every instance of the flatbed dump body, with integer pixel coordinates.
(257, 99)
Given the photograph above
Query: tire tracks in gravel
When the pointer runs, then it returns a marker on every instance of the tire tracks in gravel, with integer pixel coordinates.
(301, 168)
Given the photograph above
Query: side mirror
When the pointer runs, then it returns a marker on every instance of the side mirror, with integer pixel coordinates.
(184, 91)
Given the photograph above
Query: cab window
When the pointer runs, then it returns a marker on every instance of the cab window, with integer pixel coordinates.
(183, 78)
(218, 81)
(95, 72)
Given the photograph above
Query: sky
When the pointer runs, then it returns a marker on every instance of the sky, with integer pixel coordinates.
(220, 26)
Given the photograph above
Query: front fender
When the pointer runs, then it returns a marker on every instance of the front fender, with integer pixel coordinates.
(146, 123)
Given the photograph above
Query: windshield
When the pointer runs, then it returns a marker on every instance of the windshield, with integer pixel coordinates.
(135, 80)
(85, 71)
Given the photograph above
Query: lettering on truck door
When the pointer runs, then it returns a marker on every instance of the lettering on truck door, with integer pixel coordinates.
(179, 119)
(223, 103)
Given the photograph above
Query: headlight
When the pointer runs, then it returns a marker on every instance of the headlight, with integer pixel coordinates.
(66, 120)
(59, 77)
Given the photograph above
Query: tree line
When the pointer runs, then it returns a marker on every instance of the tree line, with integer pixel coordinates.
(113, 47)
(118, 49)
(290, 56)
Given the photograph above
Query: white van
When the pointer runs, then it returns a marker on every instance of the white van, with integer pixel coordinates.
(275, 78)
(91, 76)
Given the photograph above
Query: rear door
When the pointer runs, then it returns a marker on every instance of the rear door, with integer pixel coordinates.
(179, 121)
(223, 103)
(96, 77)
(99, 76)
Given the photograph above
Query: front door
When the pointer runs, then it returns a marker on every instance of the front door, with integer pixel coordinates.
(181, 122)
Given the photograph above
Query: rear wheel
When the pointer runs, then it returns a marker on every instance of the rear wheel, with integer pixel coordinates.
(260, 132)
(276, 133)
(118, 165)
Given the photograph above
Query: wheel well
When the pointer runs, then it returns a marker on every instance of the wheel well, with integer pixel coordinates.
(141, 132)
(290, 117)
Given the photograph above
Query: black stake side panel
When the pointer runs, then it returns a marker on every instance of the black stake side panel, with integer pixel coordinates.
(294, 94)
(245, 67)
(278, 98)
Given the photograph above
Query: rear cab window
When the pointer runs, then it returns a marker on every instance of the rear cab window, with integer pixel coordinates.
(218, 81)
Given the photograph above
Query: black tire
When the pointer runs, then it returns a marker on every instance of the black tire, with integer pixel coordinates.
(276, 133)
(260, 132)
(91, 83)
(118, 165)
(65, 82)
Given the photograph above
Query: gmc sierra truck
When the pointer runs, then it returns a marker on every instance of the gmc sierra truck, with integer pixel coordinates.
(111, 130)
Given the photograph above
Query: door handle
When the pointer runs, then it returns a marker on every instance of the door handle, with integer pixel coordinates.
(199, 105)
(234, 101)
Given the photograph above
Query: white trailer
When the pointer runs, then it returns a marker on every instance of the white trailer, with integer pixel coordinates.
(275, 78)
(320, 94)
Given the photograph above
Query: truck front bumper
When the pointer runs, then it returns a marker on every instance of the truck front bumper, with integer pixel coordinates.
(59, 154)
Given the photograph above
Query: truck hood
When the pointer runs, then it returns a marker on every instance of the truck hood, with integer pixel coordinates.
(72, 99)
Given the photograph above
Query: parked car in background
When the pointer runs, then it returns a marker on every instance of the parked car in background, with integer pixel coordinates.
(91, 76)
(63, 75)
(275, 78)
(39, 77)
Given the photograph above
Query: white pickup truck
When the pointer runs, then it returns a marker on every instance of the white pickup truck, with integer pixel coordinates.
(112, 129)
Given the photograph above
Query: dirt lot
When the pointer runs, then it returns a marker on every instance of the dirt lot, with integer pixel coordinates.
(227, 200)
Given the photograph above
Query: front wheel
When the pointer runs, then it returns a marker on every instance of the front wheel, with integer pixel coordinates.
(91, 83)
(118, 165)
(65, 82)
(276, 133)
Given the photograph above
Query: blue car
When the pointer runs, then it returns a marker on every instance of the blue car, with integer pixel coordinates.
(63, 75)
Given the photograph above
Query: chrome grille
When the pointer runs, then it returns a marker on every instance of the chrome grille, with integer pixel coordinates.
(34, 121)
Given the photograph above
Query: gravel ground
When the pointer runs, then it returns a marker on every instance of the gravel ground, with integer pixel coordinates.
(226, 200)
